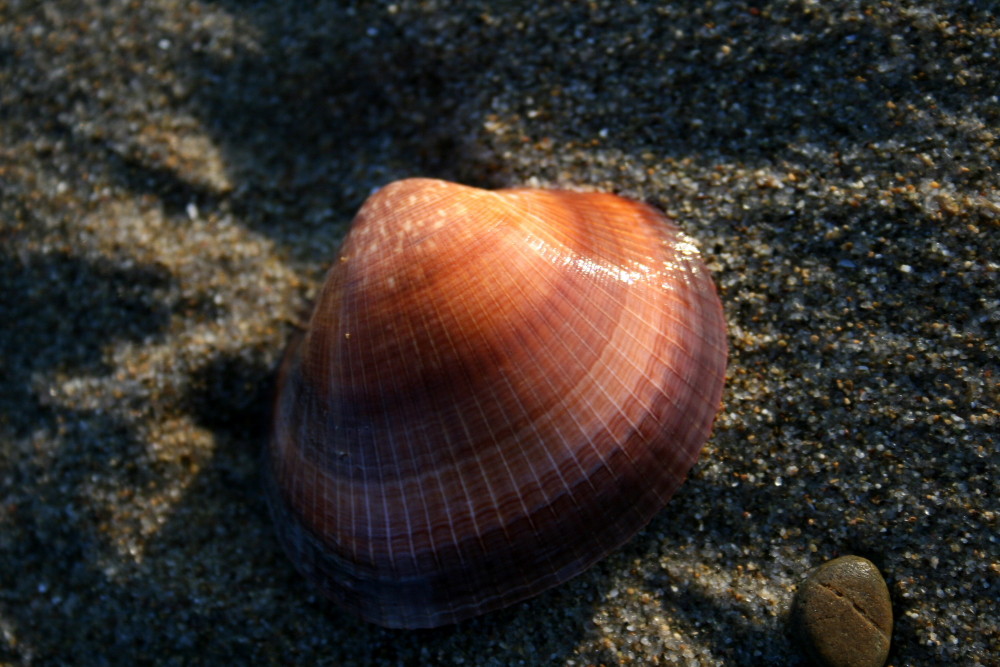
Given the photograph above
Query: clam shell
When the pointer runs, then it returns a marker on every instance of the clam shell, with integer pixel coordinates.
(495, 390)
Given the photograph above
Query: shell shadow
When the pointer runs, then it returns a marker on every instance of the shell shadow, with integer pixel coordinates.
(64, 312)
(68, 312)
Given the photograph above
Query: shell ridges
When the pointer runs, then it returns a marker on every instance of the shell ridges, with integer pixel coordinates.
(495, 390)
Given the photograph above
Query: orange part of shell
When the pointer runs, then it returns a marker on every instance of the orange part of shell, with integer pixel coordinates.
(495, 390)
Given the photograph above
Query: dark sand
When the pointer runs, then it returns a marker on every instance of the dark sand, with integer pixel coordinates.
(175, 176)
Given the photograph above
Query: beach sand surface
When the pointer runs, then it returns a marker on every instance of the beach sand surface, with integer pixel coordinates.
(175, 177)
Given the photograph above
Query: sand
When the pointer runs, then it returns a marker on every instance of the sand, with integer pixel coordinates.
(175, 177)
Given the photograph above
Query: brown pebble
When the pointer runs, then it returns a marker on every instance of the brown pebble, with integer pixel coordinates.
(842, 614)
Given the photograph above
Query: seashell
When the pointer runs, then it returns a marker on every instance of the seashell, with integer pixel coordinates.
(494, 391)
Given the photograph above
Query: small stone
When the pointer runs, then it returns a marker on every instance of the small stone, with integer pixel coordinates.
(842, 614)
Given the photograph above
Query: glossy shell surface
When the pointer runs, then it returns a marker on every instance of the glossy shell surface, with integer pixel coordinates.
(495, 390)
